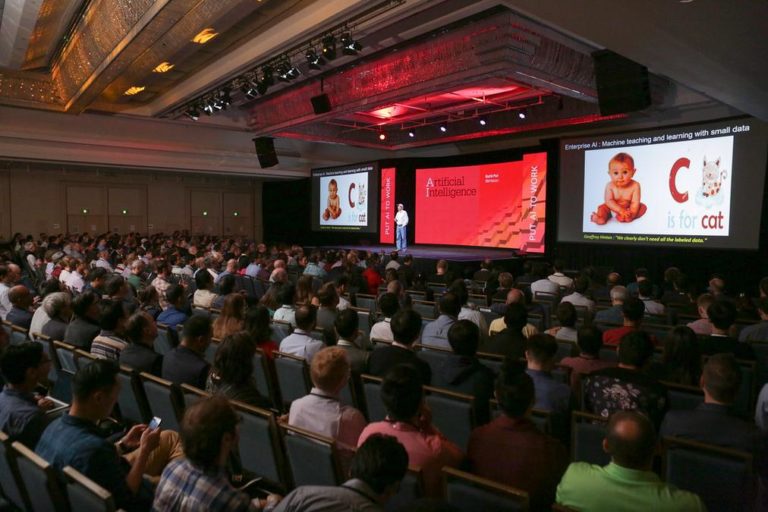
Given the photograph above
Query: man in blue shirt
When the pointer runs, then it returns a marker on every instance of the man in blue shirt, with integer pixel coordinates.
(75, 440)
(173, 314)
(435, 333)
(551, 395)
(22, 414)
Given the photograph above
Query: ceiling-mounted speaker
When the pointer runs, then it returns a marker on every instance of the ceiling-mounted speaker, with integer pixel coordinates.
(622, 84)
(265, 151)
(321, 104)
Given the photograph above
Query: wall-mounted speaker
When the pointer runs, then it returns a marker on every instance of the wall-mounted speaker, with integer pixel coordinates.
(265, 150)
(622, 84)
(321, 104)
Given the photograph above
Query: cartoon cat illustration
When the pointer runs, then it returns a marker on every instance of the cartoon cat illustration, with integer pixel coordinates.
(712, 180)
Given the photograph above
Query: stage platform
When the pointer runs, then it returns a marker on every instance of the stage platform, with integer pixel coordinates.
(442, 252)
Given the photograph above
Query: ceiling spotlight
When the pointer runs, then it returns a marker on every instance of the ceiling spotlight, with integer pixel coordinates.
(329, 47)
(249, 90)
(411, 133)
(443, 128)
(522, 114)
(261, 87)
(483, 121)
(208, 108)
(283, 70)
(348, 45)
(193, 113)
(267, 76)
(313, 59)
(382, 136)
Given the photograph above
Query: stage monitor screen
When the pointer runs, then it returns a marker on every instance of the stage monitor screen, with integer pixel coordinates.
(343, 200)
(687, 186)
(490, 205)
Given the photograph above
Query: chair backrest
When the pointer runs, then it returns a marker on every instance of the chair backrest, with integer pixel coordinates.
(744, 405)
(427, 309)
(40, 477)
(210, 350)
(65, 354)
(469, 493)
(478, 299)
(452, 413)
(566, 349)
(11, 485)
(132, 401)
(492, 361)
(164, 399)
(375, 410)
(19, 335)
(363, 320)
(761, 351)
(83, 358)
(365, 301)
(263, 373)
(280, 330)
(542, 419)
(683, 398)
(86, 495)
(587, 434)
(163, 342)
(261, 451)
(609, 354)
(292, 377)
(8, 328)
(434, 356)
(411, 489)
(312, 458)
(192, 395)
(722, 477)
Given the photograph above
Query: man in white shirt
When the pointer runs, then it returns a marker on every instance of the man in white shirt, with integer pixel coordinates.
(401, 220)
(559, 277)
(389, 305)
(301, 343)
(9, 275)
(578, 297)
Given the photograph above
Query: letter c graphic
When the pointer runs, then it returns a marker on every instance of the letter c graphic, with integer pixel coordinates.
(349, 195)
(676, 195)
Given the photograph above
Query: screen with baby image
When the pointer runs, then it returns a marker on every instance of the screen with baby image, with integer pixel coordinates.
(694, 186)
(341, 200)
(489, 205)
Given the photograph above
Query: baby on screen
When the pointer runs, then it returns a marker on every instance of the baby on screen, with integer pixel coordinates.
(334, 205)
(622, 193)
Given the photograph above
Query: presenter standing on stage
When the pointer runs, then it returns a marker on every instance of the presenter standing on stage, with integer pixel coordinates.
(401, 220)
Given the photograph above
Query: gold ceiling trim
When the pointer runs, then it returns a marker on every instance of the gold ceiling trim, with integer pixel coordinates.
(54, 18)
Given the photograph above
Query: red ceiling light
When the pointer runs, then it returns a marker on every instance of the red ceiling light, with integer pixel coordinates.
(382, 136)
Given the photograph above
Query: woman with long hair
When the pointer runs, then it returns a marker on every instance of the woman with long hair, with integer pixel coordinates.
(232, 317)
(232, 371)
(257, 326)
(682, 357)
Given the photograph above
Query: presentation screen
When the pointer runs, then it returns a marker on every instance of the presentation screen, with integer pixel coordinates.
(692, 186)
(343, 200)
(490, 205)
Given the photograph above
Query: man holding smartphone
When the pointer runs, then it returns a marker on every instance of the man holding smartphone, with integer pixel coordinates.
(75, 440)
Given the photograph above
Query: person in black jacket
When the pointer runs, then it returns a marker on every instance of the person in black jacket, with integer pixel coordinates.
(406, 325)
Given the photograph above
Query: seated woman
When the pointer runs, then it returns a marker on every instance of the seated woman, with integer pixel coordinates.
(232, 317)
(149, 299)
(257, 326)
(682, 357)
(232, 372)
(204, 295)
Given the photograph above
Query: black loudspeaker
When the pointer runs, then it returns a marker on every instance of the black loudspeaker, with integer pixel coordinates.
(622, 85)
(321, 104)
(265, 150)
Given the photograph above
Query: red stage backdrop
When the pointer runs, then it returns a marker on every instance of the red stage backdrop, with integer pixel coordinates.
(387, 206)
(490, 205)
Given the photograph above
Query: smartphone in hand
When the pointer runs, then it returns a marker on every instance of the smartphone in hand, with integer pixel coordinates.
(155, 423)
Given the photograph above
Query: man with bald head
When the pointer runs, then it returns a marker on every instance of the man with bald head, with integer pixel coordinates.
(514, 296)
(627, 483)
(614, 315)
(21, 300)
(9, 276)
(230, 270)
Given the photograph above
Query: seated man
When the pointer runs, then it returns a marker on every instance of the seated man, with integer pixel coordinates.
(566, 318)
(300, 343)
(633, 311)
(626, 387)
(713, 422)
(645, 294)
(722, 315)
(758, 331)
(287, 310)
(703, 326)
(389, 305)
(21, 301)
(627, 483)
(409, 420)
(348, 339)
(141, 331)
(559, 277)
(543, 284)
(511, 449)
(84, 326)
(209, 434)
(613, 315)
(513, 296)
(377, 469)
(510, 341)
(578, 297)
(329, 300)
(320, 411)
(109, 343)
(75, 440)
(551, 395)
(406, 325)
(186, 363)
(462, 372)
(22, 413)
(174, 314)
(436, 332)
(589, 339)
